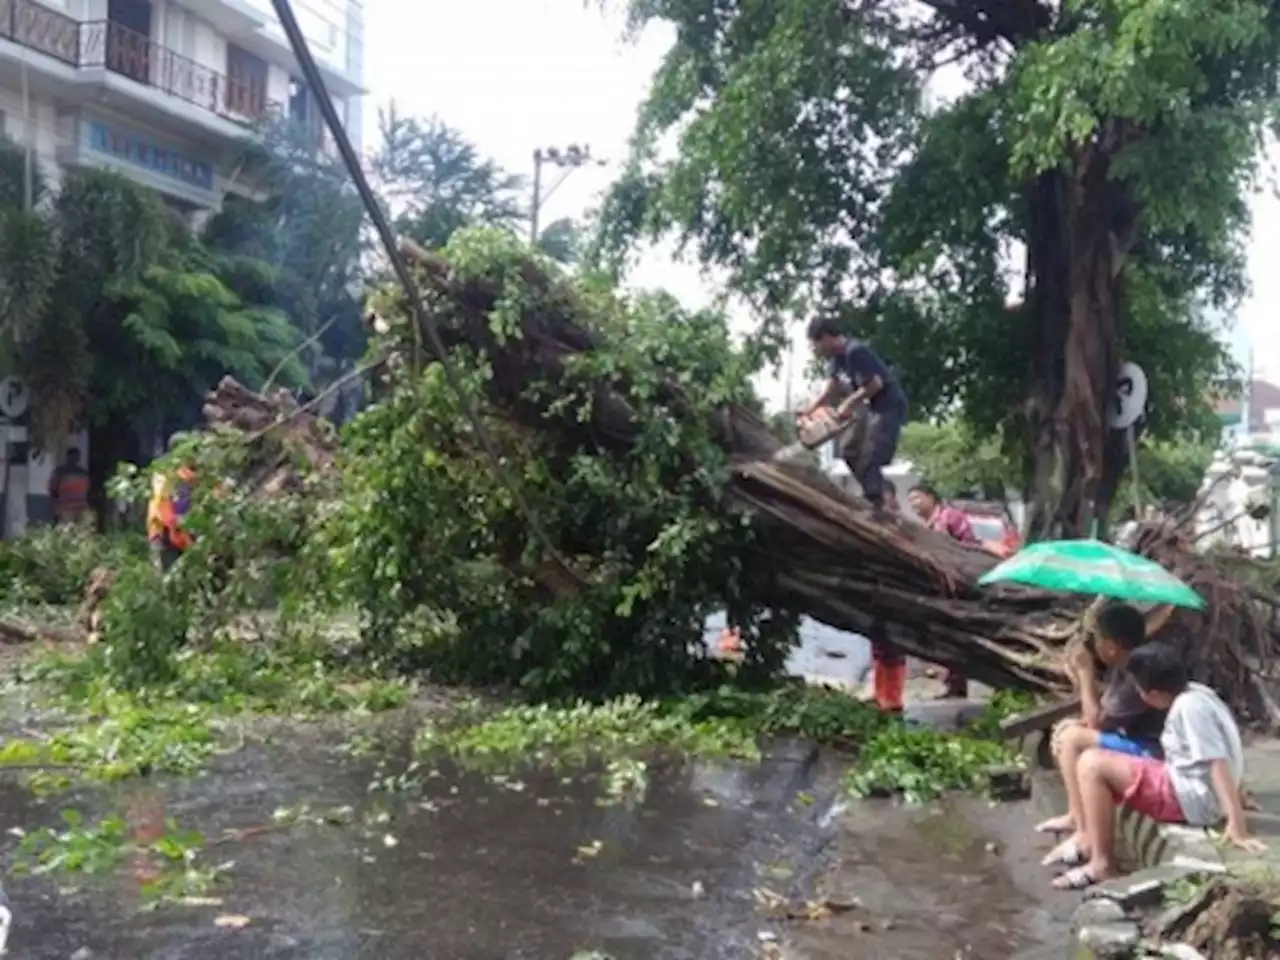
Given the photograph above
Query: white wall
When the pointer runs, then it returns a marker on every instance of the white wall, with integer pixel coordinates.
(43, 128)
(188, 35)
(323, 23)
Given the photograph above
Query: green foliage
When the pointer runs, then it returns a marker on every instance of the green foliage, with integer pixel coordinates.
(309, 231)
(248, 557)
(1171, 472)
(167, 710)
(562, 241)
(545, 735)
(122, 740)
(312, 230)
(952, 459)
(919, 763)
(922, 764)
(294, 676)
(146, 619)
(956, 462)
(79, 848)
(106, 295)
(51, 565)
(436, 182)
(825, 715)
(424, 522)
(821, 166)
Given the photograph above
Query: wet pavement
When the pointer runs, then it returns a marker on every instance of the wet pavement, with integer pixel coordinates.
(466, 867)
(957, 879)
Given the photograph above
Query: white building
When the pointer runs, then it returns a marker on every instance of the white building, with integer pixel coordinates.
(166, 92)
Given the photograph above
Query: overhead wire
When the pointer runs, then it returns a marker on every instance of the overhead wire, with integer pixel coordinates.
(423, 321)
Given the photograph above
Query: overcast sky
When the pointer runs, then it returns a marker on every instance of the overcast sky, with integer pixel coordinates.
(515, 75)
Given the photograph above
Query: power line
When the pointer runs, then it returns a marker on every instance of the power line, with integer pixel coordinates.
(424, 322)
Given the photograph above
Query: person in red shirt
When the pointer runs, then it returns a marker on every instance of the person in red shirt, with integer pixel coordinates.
(941, 516)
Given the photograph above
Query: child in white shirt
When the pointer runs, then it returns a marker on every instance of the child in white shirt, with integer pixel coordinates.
(1197, 782)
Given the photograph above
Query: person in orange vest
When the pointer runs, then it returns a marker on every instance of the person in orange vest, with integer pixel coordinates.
(170, 501)
(69, 489)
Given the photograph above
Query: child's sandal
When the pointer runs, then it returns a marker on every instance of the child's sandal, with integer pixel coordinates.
(1066, 854)
(1077, 878)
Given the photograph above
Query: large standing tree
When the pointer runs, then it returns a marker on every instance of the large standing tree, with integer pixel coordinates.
(307, 223)
(117, 317)
(1009, 196)
(436, 182)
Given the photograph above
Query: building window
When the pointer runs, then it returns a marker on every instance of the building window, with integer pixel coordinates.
(246, 82)
(129, 48)
(305, 115)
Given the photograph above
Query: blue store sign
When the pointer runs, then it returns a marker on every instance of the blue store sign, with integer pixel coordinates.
(150, 156)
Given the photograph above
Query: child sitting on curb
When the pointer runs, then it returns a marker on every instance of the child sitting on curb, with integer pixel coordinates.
(1197, 782)
(1115, 717)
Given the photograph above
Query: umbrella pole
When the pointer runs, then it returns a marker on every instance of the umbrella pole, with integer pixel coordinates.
(1132, 441)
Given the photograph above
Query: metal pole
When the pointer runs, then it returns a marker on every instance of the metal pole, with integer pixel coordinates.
(1246, 403)
(1132, 441)
(28, 135)
(537, 197)
(1273, 517)
(791, 353)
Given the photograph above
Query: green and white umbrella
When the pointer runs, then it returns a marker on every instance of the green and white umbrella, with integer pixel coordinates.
(1091, 566)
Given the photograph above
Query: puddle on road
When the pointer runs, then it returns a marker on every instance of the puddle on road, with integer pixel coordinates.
(535, 868)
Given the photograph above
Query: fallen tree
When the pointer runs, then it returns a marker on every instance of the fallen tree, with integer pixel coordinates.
(554, 393)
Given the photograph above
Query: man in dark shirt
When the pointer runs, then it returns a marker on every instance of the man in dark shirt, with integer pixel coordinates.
(856, 367)
(1113, 717)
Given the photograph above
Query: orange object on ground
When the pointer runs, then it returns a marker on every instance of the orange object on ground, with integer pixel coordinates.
(890, 680)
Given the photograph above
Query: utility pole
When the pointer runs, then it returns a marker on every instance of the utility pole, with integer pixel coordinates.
(570, 159)
(1246, 400)
(29, 136)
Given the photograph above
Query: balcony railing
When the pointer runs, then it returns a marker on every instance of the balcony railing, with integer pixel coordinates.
(36, 26)
(101, 44)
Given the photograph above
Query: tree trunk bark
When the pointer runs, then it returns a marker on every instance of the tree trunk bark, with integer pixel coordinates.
(1081, 227)
(110, 444)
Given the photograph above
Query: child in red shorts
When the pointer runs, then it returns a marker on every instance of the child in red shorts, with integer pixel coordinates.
(1197, 782)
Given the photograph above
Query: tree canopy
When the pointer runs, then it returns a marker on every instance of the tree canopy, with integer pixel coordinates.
(1007, 197)
(958, 463)
(310, 226)
(117, 316)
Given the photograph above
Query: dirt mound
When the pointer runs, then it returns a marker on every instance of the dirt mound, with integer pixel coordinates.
(1229, 919)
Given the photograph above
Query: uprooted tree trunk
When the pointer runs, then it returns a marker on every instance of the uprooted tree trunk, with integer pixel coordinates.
(828, 553)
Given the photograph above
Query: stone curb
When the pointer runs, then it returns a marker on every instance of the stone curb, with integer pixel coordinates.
(1102, 926)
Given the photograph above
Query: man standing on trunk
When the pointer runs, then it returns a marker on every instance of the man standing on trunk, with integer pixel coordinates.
(856, 367)
(944, 518)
